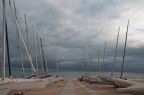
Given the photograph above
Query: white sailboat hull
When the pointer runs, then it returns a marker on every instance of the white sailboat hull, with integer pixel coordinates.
(5, 86)
(53, 79)
(58, 79)
(135, 89)
(123, 83)
(50, 80)
(29, 84)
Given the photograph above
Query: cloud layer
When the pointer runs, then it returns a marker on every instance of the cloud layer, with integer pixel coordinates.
(72, 29)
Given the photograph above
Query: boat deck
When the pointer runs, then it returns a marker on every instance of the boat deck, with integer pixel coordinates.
(73, 87)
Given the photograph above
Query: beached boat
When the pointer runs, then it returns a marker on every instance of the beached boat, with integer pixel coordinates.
(28, 84)
(5, 86)
(56, 78)
(50, 78)
(135, 89)
(123, 83)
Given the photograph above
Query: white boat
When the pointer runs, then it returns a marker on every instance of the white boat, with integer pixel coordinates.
(53, 79)
(129, 86)
(123, 83)
(28, 84)
(135, 89)
(56, 78)
(5, 86)
(50, 80)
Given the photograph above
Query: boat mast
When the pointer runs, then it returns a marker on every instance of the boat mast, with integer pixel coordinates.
(57, 64)
(43, 54)
(40, 52)
(99, 63)
(85, 66)
(20, 48)
(35, 48)
(90, 64)
(124, 51)
(19, 31)
(8, 53)
(21, 54)
(27, 33)
(47, 66)
(115, 53)
(4, 39)
(103, 56)
(28, 44)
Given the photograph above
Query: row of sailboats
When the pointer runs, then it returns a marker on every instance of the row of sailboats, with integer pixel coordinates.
(20, 84)
(123, 85)
(25, 84)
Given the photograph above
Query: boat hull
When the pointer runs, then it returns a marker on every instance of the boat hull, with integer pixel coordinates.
(28, 84)
(51, 80)
(135, 89)
(5, 86)
(123, 83)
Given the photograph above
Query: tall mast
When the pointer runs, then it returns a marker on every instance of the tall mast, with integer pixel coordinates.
(98, 63)
(57, 64)
(43, 54)
(28, 44)
(20, 48)
(4, 39)
(35, 48)
(39, 52)
(19, 31)
(15, 10)
(104, 52)
(47, 65)
(8, 53)
(124, 51)
(85, 66)
(115, 53)
(90, 64)
(21, 54)
(103, 56)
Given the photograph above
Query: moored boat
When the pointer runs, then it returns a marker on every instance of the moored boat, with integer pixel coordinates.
(5, 86)
(28, 84)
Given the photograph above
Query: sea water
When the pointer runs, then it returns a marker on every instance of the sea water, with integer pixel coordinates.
(17, 72)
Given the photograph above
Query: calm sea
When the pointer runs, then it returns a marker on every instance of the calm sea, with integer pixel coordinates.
(17, 72)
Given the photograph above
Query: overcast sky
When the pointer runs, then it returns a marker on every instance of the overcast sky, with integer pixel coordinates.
(74, 29)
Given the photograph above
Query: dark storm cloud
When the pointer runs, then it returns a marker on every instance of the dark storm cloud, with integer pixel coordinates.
(72, 29)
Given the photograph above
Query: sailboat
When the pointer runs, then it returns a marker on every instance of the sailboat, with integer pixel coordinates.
(28, 84)
(5, 83)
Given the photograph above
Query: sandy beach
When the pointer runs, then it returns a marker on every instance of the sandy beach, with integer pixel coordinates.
(74, 87)
(52, 89)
